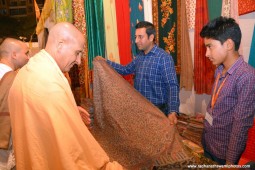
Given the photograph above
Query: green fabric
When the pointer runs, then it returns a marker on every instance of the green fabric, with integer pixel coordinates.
(136, 15)
(252, 50)
(95, 29)
(63, 11)
(214, 8)
(167, 18)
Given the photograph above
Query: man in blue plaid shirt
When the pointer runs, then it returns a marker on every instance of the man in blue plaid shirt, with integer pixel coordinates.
(155, 75)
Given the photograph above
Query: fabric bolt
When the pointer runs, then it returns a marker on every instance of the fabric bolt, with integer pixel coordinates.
(63, 11)
(155, 77)
(95, 29)
(167, 17)
(7, 160)
(186, 76)
(81, 75)
(110, 26)
(147, 4)
(214, 8)
(49, 131)
(246, 6)
(45, 14)
(124, 33)
(203, 68)
(248, 154)
(230, 9)
(233, 112)
(191, 11)
(252, 50)
(130, 129)
(136, 15)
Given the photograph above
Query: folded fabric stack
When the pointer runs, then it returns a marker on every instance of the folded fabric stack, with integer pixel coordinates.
(190, 128)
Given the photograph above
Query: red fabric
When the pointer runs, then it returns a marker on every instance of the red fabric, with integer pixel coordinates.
(203, 69)
(124, 33)
(249, 152)
(246, 6)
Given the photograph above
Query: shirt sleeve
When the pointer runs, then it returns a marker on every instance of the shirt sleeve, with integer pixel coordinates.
(171, 83)
(123, 70)
(243, 118)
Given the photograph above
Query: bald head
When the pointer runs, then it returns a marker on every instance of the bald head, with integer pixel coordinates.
(14, 53)
(65, 44)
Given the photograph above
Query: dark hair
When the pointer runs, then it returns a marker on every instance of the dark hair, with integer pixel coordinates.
(221, 29)
(150, 28)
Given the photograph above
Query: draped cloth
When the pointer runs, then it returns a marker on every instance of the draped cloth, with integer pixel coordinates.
(252, 50)
(214, 8)
(81, 74)
(110, 26)
(186, 77)
(147, 5)
(230, 9)
(191, 11)
(136, 15)
(63, 11)
(130, 129)
(124, 33)
(48, 132)
(203, 69)
(246, 6)
(95, 29)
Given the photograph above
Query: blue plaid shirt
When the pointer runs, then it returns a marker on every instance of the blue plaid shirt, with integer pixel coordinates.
(155, 77)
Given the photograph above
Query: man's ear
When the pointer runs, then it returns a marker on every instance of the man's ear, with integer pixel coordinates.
(60, 45)
(151, 37)
(13, 54)
(230, 44)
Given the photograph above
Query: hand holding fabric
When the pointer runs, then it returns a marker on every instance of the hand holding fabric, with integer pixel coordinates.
(172, 117)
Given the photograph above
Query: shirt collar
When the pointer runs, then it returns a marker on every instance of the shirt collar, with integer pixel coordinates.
(153, 50)
(237, 63)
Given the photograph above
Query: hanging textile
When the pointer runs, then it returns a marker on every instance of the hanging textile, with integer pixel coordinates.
(186, 77)
(136, 15)
(63, 11)
(80, 75)
(246, 6)
(214, 7)
(130, 129)
(110, 26)
(165, 21)
(147, 10)
(252, 50)
(230, 9)
(190, 11)
(203, 69)
(95, 32)
(46, 11)
(123, 25)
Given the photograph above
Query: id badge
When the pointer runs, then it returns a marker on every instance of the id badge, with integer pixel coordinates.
(209, 118)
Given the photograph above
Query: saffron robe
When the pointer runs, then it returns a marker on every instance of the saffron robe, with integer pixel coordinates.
(48, 132)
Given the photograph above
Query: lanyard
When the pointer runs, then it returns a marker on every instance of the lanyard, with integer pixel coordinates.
(216, 93)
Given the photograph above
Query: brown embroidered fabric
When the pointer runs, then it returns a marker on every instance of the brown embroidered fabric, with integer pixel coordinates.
(131, 130)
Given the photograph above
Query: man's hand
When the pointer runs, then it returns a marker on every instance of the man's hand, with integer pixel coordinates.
(85, 116)
(172, 117)
(99, 58)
